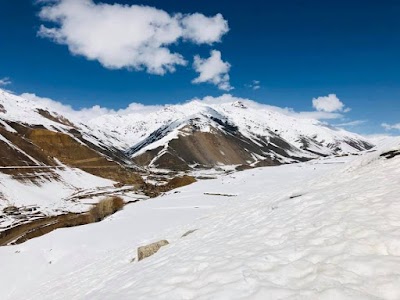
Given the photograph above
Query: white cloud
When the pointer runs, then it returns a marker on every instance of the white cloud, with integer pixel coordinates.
(382, 139)
(213, 70)
(89, 113)
(352, 123)
(5, 81)
(127, 36)
(228, 98)
(330, 103)
(254, 85)
(204, 30)
(391, 126)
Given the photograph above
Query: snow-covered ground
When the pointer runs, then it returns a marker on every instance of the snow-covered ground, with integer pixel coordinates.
(326, 229)
(64, 189)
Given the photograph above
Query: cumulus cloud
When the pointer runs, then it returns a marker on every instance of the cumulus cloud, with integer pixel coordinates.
(330, 103)
(204, 30)
(213, 70)
(5, 81)
(391, 126)
(127, 36)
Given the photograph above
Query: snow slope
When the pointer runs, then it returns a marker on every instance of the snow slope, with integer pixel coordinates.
(252, 119)
(46, 195)
(39, 149)
(316, 230)
(21, 110)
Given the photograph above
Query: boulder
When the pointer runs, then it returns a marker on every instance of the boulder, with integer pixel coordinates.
(148, 250)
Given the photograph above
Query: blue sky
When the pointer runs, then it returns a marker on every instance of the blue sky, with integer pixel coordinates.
(297, 50)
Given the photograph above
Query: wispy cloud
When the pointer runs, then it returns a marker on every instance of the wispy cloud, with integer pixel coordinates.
(254, 85)
(5, 81)
(134, 37)
(391, 126)
(213, 70)
(352, 123)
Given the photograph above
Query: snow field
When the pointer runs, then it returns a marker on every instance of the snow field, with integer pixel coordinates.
(89, 262)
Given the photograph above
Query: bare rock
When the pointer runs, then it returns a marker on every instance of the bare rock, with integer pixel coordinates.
(149, 250)
(11, 210)
(189, 232)
(119, 185)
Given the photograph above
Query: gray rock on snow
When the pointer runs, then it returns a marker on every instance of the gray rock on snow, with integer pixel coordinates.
(187, 233)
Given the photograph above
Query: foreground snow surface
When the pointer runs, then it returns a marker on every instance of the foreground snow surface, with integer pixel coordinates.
(327, 229)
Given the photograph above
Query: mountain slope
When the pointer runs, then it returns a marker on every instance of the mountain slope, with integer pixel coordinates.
(46, 158)
(179, 137)
(199, 133)
(304, 231)
(33, 135)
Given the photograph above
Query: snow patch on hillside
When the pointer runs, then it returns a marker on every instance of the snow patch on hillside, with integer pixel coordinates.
(49, 193)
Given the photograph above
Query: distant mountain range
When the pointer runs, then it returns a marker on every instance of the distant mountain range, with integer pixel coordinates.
(176, 137)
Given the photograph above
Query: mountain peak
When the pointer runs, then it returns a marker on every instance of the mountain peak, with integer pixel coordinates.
(239, 104)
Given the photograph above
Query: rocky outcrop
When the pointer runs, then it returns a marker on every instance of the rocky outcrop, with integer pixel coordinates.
(391, 154)
(149, 250)
(188, 233)
(35, 146)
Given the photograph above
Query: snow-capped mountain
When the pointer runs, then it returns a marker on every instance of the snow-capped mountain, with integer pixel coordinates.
(197, 133)
(235, 132)
(33, 136)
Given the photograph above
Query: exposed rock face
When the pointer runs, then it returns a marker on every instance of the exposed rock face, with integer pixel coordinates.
(149, 250)
(391, 154)
(55, 118)
(34, 146)
(217, 147)
(11, 210)
(35, 140)
(178, 182)
(244, 133)
(177, 137)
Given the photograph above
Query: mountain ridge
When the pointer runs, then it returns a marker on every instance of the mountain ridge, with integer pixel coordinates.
(189, 133)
